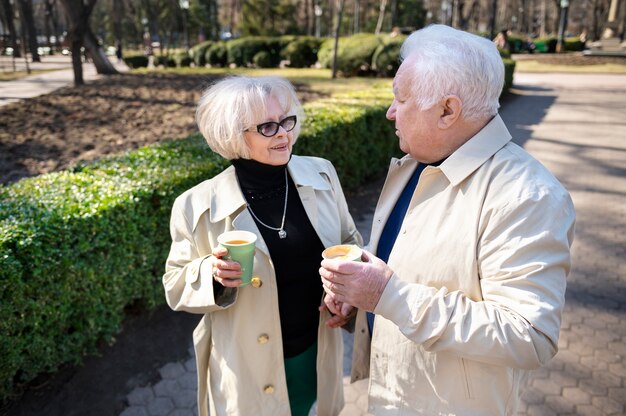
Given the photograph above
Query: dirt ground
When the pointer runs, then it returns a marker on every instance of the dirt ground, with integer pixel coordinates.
(111, 115)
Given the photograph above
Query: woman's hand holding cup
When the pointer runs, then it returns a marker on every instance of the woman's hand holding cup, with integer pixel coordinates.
(225, 272)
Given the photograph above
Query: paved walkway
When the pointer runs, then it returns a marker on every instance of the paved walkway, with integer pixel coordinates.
(59, 74)
(575, 125)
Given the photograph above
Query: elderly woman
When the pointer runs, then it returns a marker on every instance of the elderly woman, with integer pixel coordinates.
(268, 348)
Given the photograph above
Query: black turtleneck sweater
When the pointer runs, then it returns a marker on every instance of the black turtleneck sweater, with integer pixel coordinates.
(296, 258)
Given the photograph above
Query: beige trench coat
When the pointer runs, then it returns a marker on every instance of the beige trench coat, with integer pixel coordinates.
(475, 301)
(238, 341)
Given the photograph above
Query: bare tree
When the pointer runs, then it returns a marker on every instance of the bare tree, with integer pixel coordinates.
(79, 34)
(337, 32)
(50, 22)
(13, 35)
(381, 16)
(118, 34)
(28, 20)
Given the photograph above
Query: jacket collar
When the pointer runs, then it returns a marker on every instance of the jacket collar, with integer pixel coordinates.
(223, 197)
(476, 151)
(467, 158)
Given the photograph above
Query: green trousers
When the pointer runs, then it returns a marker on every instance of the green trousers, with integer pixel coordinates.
(301, 375)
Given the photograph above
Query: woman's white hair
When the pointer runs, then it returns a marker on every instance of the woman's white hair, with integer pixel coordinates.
(445, 61)
(236, 103)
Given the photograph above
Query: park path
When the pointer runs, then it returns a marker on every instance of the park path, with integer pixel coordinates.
(59, 73)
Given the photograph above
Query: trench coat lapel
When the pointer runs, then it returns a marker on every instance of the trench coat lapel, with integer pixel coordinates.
(400, 171)
(308, 181)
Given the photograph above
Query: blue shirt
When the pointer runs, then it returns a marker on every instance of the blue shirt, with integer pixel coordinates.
(393, 225)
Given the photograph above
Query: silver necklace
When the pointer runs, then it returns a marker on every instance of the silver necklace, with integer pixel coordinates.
(281, 232)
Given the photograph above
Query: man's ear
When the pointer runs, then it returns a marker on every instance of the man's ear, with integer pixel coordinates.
(450, 111)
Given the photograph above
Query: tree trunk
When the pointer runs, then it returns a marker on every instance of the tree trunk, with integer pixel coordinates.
(99, 58)
(8, 11)
(337, 32)
(381, 16)
(28, 20)
(77, 15)
(118, 32)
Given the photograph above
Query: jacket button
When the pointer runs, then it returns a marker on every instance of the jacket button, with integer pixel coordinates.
(263, 339)
(256, 281)
(269, 389)
(194, 270)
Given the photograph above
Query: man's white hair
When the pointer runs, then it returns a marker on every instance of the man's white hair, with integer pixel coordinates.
(236, 103)
(445, 61)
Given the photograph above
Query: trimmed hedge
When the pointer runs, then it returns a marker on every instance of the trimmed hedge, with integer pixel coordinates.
(241, 52)
(509, 70)
(354, 53)
(166, 61)
(198, 53)
(182, 59)
(136, 61)
(77, 247)
(545, 44)
(302, 52)
(217, 54)
(386, 58)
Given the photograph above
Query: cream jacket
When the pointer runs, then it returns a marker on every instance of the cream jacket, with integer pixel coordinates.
(479, 281)
(238, 341)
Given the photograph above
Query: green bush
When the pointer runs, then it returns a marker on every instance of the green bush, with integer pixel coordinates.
(262, 59)
(546, 44)
(386, 58)
(504, 53)
(198, 53)
(241, 52)
(354, 54)
(77, 247)
(573, 44)
(509, 70)
(182, 59)
(217, 55)
(516, 43)
(136, 61)
(302, 52)
(164, 60)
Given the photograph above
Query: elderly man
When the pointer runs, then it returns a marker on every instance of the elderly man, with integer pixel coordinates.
(472, 239)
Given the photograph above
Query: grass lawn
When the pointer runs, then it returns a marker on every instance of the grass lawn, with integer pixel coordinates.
(317, 79)
(536, 66)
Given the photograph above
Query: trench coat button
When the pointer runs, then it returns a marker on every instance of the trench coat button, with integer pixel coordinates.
(269, 389)
(263, 339)
(256, 281)
(194, 270)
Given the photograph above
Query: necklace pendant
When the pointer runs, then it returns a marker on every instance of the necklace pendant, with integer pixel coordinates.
(282, 234)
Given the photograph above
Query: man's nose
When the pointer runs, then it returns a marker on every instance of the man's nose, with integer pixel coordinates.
(391, 112)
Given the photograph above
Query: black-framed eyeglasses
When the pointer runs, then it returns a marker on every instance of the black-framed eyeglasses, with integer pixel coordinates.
(270, 128)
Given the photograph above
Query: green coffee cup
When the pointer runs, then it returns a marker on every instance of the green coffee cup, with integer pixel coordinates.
(240, 245)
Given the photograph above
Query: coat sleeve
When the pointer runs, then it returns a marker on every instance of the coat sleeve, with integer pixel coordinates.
(523, 259)
(188, 280)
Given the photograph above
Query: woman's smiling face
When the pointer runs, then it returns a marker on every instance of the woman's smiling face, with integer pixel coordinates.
(275, 150)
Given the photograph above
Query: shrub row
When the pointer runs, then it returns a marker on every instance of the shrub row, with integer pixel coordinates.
(259, 51)
(363, 54)
(78, 246)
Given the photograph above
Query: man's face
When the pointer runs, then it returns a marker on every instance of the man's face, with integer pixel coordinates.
(415, 128)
